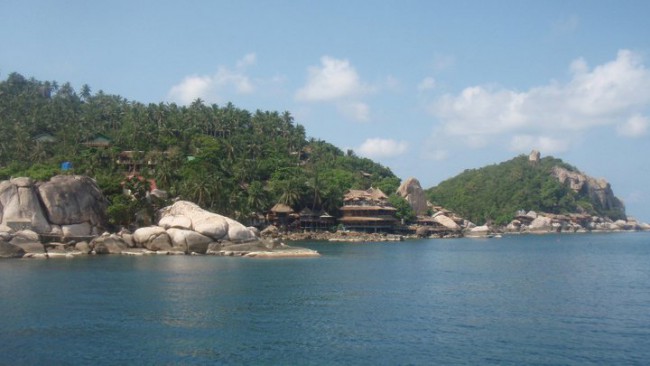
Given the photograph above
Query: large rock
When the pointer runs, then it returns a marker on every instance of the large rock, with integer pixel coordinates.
(20, 206)
(206, 223)
(237, 232)
(28, 241)
(83, 247)
(174, 221)
(76, 230)
(188, 241)
(29, 246)
(27, 235)
(446, 222)
(514, 226)
(153, 238)
(8, 250)
(270, 231)
(44, 207)
(478, 232)
(541, 224)
(72, 200)
(107, 244)
(412, 192)
(209, 225)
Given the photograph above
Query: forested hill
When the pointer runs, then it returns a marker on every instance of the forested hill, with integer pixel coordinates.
(497, 192)
(226, 159)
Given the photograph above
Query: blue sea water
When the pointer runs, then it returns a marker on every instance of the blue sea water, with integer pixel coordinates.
(544, 300)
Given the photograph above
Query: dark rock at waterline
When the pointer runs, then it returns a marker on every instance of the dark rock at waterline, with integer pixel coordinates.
(108, 244)
(8, 250)
(30, 246)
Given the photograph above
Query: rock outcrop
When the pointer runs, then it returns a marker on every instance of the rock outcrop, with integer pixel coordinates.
(67, 205)
(598, 190)
(447, 222)
(478, 232)
(189, 216)
(412, 192)
(8, 250)
(543, 223)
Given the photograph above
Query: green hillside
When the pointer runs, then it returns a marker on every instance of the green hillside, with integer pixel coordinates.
(224, 158)
(497, 192)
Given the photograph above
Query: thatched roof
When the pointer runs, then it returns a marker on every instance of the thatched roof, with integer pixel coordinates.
(281, 208)
(371, 194)
(306, 212)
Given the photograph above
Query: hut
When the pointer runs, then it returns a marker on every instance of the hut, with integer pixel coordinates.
(44, 137)
(281, 215)
(327, 220)
(309, 220)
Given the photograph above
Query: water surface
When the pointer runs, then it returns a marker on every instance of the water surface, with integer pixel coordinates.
(570, 299)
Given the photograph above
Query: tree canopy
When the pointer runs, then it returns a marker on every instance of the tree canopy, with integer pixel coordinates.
(224, 158)
(497, 192)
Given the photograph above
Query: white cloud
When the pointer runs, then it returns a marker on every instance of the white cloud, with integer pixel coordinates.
(382, 148)
(333, 79)
(355, 110)
(606, 95)
(191, 88)
(247, 60)
(337, 81)
(427, 83)
(236, 79)
(635, 126)
(210, 87)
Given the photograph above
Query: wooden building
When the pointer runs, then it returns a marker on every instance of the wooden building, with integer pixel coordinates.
(281, 215)
(368, 211)
(316, 220)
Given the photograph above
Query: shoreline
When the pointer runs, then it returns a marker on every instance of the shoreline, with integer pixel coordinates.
(360, 237)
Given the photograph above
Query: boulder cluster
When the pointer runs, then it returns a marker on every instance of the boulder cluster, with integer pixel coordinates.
(65, 216)
(183, 228)
(541, 223)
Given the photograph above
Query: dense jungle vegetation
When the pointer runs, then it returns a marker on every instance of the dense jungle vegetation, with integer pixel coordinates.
(496, 192)
(225, 159)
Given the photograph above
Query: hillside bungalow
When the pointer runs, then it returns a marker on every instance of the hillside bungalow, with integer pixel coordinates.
(98, 140)
(368, 211)
(44, 137)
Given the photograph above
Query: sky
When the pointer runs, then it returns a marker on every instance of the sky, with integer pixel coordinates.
(426, 88)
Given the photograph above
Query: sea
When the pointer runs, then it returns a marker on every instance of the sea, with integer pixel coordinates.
(580, 299)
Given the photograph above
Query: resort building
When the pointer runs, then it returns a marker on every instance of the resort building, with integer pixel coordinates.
(315, 220)
(368, 211)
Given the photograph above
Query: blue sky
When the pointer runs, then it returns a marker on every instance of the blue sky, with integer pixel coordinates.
(427, 88)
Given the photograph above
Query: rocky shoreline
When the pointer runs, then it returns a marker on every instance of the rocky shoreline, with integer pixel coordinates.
(65, 216)
(62, 218)
(28, 244)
